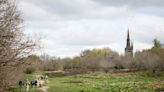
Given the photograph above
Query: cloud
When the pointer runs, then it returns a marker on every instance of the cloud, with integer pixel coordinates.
(132, 3)
(68, 27)
(32, 12)
(73, 9)
(76, 35)
(146, 28)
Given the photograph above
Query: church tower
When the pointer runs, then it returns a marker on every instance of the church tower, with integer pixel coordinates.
(129, 46)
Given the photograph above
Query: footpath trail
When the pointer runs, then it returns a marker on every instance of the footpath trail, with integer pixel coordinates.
(44, 89)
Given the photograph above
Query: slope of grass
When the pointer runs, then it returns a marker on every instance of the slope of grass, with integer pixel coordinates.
(106, 83)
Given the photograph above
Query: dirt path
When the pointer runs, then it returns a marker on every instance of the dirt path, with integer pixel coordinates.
(44, 89)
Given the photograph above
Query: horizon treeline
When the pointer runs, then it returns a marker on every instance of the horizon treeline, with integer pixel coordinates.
(105, 60)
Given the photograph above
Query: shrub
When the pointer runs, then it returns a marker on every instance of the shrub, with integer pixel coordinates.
(30, 70)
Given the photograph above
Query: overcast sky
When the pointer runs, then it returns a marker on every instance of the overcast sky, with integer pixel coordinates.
(69, 26)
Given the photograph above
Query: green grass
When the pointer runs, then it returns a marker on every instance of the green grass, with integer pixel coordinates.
(99, 82)
(106, 83)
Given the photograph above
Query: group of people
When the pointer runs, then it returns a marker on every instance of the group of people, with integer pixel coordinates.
(34, 84)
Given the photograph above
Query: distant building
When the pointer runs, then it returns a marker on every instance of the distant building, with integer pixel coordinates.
(129, 46)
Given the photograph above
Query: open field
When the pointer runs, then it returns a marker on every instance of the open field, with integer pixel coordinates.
(100, 82)
(126, 82)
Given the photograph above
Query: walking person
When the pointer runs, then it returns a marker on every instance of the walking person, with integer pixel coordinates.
(20, 85)
(35, 83)
(46, 79)
(27, 85)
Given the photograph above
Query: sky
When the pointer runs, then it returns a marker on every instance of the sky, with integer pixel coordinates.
(68, 27)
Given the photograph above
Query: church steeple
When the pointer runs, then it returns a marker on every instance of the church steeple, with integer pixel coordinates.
(128, 40)
(129, 46)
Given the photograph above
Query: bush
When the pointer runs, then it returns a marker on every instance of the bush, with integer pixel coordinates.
(30, 70)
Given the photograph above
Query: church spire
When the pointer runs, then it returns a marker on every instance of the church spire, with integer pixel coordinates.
(128, 39)
(129, 46)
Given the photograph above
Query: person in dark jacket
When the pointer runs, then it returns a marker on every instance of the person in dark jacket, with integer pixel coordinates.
(20, 85)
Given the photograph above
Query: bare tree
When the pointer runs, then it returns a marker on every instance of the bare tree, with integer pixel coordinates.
(14, 44)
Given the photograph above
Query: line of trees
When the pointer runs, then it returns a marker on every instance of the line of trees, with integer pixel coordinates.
(106, 60)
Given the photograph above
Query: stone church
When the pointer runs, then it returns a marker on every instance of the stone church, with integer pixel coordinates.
(129, 46)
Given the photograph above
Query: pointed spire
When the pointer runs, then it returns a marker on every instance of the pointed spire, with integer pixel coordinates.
(128, 39)
(129, 45)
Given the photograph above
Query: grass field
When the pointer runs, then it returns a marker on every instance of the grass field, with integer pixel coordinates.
(100, 82)
(126, 82)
